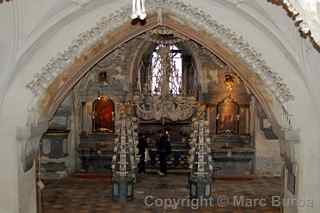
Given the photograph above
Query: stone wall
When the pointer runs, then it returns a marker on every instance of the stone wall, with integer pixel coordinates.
(57, 146)
(27, 48)
(268, 159)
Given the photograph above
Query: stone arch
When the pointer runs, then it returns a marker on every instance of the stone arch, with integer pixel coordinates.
(240, 48)
(248, 64)
(59, 76)
(258, 82)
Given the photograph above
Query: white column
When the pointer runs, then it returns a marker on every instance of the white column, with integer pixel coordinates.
(18, 173)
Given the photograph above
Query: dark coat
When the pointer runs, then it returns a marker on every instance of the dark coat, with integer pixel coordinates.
(142, 145)
(164, 146)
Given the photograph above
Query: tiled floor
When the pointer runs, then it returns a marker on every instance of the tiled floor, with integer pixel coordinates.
(78, 195)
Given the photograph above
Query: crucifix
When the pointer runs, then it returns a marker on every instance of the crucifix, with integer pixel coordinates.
(138, 9)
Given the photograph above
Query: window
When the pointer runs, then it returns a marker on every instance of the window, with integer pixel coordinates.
(166, 69)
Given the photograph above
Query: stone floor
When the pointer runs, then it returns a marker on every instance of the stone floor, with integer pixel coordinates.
(93, 195)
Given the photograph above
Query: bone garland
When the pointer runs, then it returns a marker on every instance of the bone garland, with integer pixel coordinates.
(2, 1)
(138, 9)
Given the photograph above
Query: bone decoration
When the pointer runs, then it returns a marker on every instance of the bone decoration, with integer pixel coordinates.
(138, 9)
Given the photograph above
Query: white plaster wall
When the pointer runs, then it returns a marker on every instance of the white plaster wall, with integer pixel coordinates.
(7, 45)
(27, 191)
(9, 200)
(18, 187)
(32, 35)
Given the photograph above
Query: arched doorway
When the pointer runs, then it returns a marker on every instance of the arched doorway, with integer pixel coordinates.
(47, 99)
(197, 90)
(166, 94)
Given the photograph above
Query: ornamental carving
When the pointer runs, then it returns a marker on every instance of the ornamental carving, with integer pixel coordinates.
(172, 108)
(306, 15)
(81, 2)
(1, 1)
(197, 17)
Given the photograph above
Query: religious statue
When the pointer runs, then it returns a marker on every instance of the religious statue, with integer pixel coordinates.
(138, 9)
(228, 116)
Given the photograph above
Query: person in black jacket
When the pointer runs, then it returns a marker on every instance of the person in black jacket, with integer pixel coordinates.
(164, 149)
(142, 146)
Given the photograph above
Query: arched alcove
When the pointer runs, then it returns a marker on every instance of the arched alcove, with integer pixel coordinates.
(255, 83)
(67, 79)
(53, 90)
(103, 119)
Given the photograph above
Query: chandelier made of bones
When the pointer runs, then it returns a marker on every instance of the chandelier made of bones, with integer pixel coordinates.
(163, 96)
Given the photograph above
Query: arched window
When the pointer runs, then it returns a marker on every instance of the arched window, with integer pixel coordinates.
(166, 66)
(167, 70)
(103, 109)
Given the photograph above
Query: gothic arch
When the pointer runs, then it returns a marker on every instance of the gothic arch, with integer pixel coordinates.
(58, 77)
(66, 79)
(47, 100)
